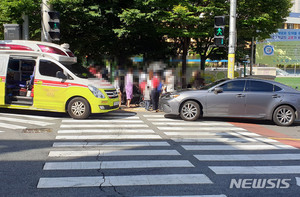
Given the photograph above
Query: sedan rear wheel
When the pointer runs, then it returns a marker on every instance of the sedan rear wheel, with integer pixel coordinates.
(190, 110)
(284, 116)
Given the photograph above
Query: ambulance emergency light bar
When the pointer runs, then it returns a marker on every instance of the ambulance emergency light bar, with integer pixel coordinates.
(44, 48)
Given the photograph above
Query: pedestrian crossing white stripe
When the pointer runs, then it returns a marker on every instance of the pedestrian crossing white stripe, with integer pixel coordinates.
(2, 131)
(248, 157)
(164, 120)
(255, 169)
(298, 180)
(203, 139)
(203, 128)
(112, 153)
(35, 122)
(191, 123)
(105, 144)
(11, 126)
(115, 137)
(120, 114)
(116, 164)
(103, 126)
(135, 180)
(237, 147)
(217, 195)
(106, 131)
(156, 116)
(211, 133)
(28, 116)
(98, 121)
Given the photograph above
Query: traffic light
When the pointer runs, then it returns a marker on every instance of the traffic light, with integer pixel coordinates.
(53, 22)
(219, 31)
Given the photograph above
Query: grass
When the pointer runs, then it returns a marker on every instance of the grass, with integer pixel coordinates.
(293, 82)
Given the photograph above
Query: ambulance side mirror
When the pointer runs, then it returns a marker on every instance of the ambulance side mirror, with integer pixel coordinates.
(61, 75)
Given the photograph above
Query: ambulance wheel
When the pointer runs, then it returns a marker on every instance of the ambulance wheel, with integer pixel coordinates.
(79, 108)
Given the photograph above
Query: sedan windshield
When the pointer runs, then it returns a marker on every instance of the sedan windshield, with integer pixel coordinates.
(208, 86)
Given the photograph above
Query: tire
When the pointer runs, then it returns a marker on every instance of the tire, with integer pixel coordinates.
(190, 111)
(79, 108)
(284, 115)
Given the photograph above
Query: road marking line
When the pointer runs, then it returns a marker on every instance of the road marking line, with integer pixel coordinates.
(116, 137)
(105, 144)
(106, 131)
(29, 116)
(156, 116)
(103, 126)
(203, 128)
(120, 114)
(112, 153)
(298, 180)
(255, 169)
(210, 133)
(116, 164)
(97, 181)
(248, 157)
(98, 121)
(11, 126)
(35, 122)
(217, 195)
(237, 147)
(276, 138)
(203, 139)
(191, 123)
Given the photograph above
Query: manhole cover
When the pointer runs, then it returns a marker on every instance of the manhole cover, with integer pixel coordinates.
(37, 130)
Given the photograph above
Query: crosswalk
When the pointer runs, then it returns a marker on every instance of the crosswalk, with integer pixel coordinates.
(125, 142)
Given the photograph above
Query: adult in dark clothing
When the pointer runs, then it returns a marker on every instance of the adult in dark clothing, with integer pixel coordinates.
(155, 93)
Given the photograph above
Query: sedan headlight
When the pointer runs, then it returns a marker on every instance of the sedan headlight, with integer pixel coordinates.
(174, 95)
(96, 92)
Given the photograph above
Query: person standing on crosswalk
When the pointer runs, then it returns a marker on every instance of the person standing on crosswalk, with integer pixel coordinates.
(129, 87)
(155, 92)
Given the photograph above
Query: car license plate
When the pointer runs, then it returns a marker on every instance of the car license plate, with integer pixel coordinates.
(116, 103)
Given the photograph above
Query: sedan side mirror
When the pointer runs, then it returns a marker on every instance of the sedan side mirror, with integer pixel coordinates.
(218, 90)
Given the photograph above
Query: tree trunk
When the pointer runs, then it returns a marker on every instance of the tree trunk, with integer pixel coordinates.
(186, 43)
(202, 63)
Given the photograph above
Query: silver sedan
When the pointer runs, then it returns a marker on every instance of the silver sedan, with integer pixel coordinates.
(242, 97)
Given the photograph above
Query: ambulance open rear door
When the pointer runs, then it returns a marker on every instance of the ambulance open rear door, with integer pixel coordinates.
(3, 68)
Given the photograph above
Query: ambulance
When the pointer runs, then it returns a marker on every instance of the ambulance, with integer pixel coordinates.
(44, 76)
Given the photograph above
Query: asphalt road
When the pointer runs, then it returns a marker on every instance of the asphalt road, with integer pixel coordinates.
(139, 153)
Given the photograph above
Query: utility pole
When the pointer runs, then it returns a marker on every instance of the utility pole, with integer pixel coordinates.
(25, 27)
(232, 39)
(45, 8)
(252, 55)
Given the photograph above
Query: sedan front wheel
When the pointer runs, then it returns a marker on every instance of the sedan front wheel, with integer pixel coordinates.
(284, 116)
(190, 110)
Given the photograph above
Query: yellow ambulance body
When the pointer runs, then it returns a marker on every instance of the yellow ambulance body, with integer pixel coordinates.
(40, 76)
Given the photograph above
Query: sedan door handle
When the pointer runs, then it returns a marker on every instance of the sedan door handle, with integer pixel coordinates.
(240, 95)
(275, 96)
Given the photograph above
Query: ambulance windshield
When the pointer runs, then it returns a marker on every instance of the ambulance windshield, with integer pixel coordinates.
(80, 71)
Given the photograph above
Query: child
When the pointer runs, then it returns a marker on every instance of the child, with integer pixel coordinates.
(146, 94)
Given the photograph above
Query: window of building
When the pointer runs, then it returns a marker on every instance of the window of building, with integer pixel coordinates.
(290, 26)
